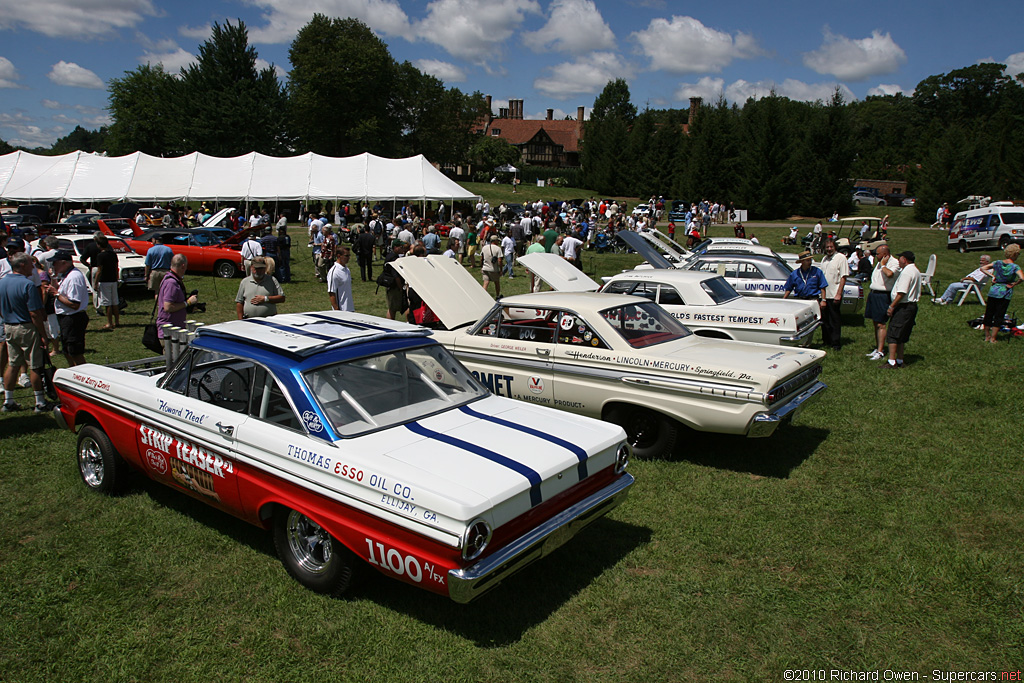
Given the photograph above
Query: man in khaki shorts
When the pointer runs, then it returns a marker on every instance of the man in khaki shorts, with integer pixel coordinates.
(21, 305)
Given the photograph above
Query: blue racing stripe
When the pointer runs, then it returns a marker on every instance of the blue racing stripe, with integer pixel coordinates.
(288, 328)
(348, 323)
(580, 454)
(497, 458)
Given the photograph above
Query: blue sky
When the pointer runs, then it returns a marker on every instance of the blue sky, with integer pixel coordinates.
(56, 56)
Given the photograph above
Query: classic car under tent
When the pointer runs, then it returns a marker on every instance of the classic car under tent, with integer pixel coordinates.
(85, 177)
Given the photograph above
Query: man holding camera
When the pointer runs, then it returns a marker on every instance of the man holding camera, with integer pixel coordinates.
(172, 301)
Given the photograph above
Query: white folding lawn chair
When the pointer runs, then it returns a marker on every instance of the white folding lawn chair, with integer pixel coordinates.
(929, 273)
(972, 288)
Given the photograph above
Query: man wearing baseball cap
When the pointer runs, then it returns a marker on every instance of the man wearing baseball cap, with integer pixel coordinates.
(71, 301)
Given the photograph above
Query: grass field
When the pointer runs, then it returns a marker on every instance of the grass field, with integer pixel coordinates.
(881, 532)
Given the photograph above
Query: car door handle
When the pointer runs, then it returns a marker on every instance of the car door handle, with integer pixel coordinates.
(543, 352)
(226, 430)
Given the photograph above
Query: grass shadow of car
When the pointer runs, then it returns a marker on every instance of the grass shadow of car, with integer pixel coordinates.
(496, 619)
(776, 456)
(503, 615)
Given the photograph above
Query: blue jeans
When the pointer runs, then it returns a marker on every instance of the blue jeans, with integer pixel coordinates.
(509, 262)
(953, 289)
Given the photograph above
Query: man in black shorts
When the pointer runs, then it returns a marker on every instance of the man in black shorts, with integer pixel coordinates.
(883, 277)
(903, 309)
(71, 301)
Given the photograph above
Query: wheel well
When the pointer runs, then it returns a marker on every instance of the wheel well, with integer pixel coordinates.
(608, 407)
(84, 418)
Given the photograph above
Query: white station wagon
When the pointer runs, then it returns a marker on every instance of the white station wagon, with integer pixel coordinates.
(620, 358)
(704, 302)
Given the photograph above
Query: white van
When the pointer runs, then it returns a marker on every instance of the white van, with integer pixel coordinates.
(990, 227)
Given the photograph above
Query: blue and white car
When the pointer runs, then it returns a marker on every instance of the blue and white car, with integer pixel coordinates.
(357, 441)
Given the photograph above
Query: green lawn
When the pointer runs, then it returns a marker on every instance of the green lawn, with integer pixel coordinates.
(882, 531)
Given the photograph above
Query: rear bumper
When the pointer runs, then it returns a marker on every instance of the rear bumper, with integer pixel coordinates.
(802, 338)
(470, 582)
(765, 424)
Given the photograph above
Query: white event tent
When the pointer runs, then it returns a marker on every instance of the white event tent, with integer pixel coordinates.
(85, 177)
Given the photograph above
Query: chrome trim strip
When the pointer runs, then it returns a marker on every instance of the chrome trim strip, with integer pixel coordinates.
(765, 424)
(470, 582)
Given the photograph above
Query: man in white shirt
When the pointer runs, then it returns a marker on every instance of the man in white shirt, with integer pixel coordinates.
(406, 235)
(71, 304)
(508, 247)
(339, 281)
(816, 245)
(571, 248)
(883, 277)
(251, 248)
(903, 309)
(459, 234)
(836, 270)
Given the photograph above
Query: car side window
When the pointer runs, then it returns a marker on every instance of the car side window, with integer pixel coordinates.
(575, 331)
(520, 324)
(668, 296)
(214, 378)
(619, 287)
(646, 290)
(268, 401)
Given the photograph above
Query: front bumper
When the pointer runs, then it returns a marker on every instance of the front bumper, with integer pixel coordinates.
(470, 582)
(801, 338)
(765, 424)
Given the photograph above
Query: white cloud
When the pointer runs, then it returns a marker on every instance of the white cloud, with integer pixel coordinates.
(446, 71)
(74, 19)
(685, 45)
(284, 18)
(52, 104)
(473, 29)
(575, 26)
(69, 73)
(173, 61)
(26, 134)
(887, 89)
(1015, 64)
(279, 71)
(706, 88)
(202, 32)
(8, 74)
(739, 91)
(856, 60)
(584, 76)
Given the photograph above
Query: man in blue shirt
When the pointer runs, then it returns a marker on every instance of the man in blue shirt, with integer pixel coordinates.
(807, 281)
(158, 262)
(21, 305)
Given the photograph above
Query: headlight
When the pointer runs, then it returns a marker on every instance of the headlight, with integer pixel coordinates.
(622, 458)
(476, 538)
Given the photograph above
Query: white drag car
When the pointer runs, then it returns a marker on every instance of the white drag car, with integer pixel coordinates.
(704, 302)
(620, 358)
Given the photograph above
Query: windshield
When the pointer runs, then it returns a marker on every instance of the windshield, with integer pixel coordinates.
(644, 324)
(393, 388)
(719, 290)
(119, 246)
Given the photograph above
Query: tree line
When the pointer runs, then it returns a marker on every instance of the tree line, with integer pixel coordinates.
(959, 134)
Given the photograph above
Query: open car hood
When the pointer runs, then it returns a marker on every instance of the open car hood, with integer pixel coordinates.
(452, 293)
(561, 275)
(642, 246)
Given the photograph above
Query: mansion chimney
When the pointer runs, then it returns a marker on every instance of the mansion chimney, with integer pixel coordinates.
(551, 114)
(579, 113)
(490, 112)
(694, 106)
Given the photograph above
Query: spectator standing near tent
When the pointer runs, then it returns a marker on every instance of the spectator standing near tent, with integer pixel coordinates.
(490, 264)
(339, 280)
(106, 278)
(284, 253)
(259, 293)
(364, 246)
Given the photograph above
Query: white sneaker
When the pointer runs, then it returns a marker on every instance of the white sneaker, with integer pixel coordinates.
(24, 380)
(875, 355)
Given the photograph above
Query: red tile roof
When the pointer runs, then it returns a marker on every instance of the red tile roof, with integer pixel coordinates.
(521, 131)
